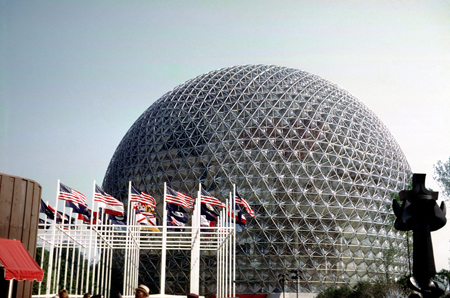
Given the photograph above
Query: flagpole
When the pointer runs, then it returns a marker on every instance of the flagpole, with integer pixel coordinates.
(221, 253)
(218, 284)
(164, 246)
(102, 253)
(89, 244)
(59, 255)
(125, 272)
(97, 249)
(73, 253)
(111, 254)
(94, 265)
(226, 267)
(134, 248)
(42, 253)
(83, 262)
(52, 246)
(78, 267)
(195, 245)
(234, 242)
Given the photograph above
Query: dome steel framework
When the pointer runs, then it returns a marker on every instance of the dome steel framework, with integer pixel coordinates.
(316, 165)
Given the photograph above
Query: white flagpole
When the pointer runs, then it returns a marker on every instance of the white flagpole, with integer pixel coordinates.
(218, 256)
(73, 253)
(78, 271)
(89, 246)
(224, 264)
(42, 255)
(134, 248)
(129, 218)
(67, 249)
(52, 245)
(230, 268)
(83, 264)
(164, 246)
(221, 253)
(107, 257)
(94, 265)
(195, 245)
(227, 260)
(234, 243)
(57, 272)
(111, 252)
(102, 253)
(96, 270)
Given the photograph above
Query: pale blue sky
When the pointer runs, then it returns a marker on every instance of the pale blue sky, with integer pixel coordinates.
(75, 75)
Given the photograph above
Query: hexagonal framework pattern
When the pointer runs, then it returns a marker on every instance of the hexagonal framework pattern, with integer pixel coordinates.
(314, 162)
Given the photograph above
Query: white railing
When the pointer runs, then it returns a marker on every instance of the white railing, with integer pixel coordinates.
(96, 244)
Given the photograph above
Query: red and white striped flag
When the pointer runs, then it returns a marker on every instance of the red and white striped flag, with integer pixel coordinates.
(240, 201)
(111, 205)
(207, 198)
(68, 194)
(178, 198)
(142, 197)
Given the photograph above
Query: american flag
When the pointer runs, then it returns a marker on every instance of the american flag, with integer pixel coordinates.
(207, 198)
(142, 197)
(240, 201)
(106, 201)
(68, 194)
(178, 198)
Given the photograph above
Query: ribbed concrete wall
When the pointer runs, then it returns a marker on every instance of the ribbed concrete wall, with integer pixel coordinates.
(19, 217)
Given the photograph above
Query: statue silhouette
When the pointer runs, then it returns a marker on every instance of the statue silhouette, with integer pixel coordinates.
(420, 213)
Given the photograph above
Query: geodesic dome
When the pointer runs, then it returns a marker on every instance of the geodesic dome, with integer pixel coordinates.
(316, 165)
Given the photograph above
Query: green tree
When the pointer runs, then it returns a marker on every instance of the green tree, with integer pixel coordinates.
(72, 257)
(442, 176)
(443, 277)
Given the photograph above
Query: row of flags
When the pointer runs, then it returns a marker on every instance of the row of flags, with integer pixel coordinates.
(144, 206)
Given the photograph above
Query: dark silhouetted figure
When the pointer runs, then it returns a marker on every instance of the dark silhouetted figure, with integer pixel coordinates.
(420, 213)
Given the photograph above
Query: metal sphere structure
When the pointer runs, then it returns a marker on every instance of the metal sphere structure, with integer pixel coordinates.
(315, 163)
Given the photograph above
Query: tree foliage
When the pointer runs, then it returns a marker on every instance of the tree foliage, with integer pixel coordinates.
(72, 258)
(72, 255)
(442, 176)
(443, 277)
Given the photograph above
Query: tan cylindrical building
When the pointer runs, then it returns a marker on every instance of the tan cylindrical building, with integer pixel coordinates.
(19, 219)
